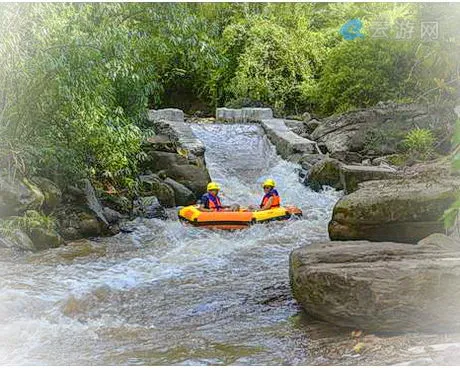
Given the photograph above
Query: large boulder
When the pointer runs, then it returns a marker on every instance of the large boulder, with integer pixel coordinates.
(81, 214)
(45, 238)
(386, 287)
(178, 132)
(380, 130)
(193, 177)
(402, 210)
(18, 196)
(152, 185)
(159, 160)
(182, 195)
(75, 222)
(325, 172)
(52, 193)
(352, 175)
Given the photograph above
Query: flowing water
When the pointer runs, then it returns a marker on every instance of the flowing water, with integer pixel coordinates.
(171, 294)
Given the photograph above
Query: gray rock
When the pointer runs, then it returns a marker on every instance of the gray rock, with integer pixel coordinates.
(18, 196)
(352, 175)
(311, 126)
(148, 207)
(306, 117)
(182, 195)
(325, 172)
(385, 287)
(112, 216)
(181, 135)
(296, 126)
(51, 192)
(158, 160)
(244, 115)
(17, 240)
(347, 157)
(401, 210)
(457, 111)
(92, 201)
(159, 143)
(193, 177)
(166, 114)
(287, 142)
(45, 238)
(308, 160)
(77, 221)
(380, 129)
(152, 185)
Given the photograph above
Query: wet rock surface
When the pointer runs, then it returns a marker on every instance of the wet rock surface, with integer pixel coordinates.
(384, 287)
(244, 115)
(401, 210)
(286, 141)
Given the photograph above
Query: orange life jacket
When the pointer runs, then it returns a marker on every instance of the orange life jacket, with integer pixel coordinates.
(276, 199)
(213, 202)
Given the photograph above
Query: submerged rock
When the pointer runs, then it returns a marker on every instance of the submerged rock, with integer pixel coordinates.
(402, 210)
(387, 287)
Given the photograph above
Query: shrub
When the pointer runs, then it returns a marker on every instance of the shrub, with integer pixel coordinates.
(30, 220)
(420, 143)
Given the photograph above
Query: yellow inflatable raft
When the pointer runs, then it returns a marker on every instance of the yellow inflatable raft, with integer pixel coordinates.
(234, 220)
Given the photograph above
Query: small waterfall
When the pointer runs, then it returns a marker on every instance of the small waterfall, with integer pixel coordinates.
(168, 293)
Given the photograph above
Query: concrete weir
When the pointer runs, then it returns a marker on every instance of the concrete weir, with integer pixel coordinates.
(170, 122)
(287, 142)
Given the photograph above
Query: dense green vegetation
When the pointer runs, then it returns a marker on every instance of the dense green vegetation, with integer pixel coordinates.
(76, 79)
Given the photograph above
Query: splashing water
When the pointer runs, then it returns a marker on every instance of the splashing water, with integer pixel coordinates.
(168, 293)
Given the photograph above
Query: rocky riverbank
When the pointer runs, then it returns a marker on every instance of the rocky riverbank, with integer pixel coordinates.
(36, 214)
(387, 269)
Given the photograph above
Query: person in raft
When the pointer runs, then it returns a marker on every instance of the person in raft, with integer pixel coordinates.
(211, 202)
(271, 199)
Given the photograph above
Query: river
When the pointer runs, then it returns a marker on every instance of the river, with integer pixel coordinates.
(172, 294)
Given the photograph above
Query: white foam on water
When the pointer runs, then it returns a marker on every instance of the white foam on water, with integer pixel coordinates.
(202, 266)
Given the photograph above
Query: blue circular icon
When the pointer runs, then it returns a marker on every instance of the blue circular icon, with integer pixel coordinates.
(350, 30)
